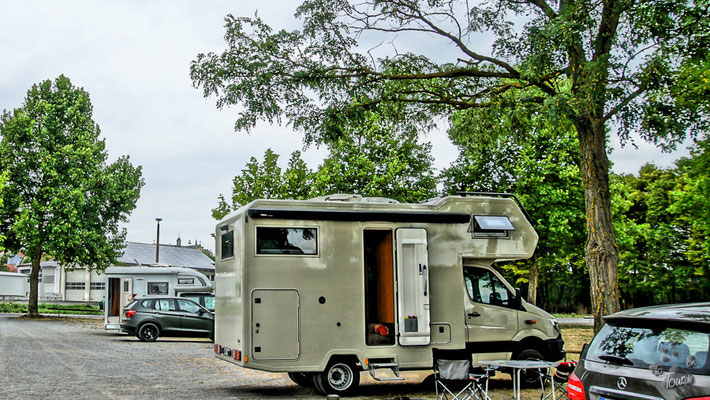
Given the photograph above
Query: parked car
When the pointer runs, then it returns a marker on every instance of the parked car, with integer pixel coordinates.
(206, 300)
(658, 352)
(150, 317)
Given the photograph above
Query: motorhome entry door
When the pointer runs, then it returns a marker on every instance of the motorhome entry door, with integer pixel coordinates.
(126, 294)
(413, 287)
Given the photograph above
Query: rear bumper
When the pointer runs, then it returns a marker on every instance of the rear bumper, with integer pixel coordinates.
(131, 330)
(555, 349)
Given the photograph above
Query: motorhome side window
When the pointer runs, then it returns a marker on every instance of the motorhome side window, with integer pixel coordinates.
(301, 241)
(158, 288)
(227, 244)
(484, 287)
(491, 226)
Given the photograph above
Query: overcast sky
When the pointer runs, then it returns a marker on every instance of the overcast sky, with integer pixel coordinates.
(133, 58)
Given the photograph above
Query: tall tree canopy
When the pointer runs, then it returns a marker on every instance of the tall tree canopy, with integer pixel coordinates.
(61, 198)
(536, 158)
(266, 180)
(632, 66)
(372, 156)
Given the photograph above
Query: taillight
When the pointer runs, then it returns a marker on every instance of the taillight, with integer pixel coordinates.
(130, 313)
(575, 389)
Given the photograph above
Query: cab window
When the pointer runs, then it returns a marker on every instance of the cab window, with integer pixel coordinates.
(485, 287)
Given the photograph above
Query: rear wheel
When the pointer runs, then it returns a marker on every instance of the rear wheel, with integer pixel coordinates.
(341, 378)
(303, 379)
(148, 332)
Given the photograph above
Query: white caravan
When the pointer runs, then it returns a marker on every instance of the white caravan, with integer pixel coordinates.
(125, 283)
(13, 285)
(329, 287)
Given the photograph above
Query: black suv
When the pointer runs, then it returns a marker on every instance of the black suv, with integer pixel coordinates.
(152, 316)
(650, 353)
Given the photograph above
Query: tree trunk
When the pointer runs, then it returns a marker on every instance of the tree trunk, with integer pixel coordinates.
(602, 254)
(33, 310)
(532, 281)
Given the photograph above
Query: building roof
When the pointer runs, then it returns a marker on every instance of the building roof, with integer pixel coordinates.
(174, 256)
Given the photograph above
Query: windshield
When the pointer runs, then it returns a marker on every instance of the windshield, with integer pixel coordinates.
(652, 348)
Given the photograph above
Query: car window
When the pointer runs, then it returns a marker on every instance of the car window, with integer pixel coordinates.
(148, 303)
(166, 305)
(484, 287)
(130, 305)
(209, 302)
(188, 306)
(652, 347)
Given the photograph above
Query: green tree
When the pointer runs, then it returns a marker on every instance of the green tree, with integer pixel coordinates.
(639, 65)
(61, 199)
(375, 158)
(536, 158)
(266, 180)
(661, 216)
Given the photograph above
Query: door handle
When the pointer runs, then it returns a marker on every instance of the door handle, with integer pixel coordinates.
(474, 314)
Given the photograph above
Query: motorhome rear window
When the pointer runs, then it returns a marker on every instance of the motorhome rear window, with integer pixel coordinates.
(301, 241)
(158, 288)
(186, 281)
(227, 244)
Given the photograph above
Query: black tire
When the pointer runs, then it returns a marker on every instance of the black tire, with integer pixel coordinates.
(341, 378)
(530, 378)
(148, 332)
(303, 379)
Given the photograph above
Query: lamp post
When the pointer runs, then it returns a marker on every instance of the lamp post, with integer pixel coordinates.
(157, 242)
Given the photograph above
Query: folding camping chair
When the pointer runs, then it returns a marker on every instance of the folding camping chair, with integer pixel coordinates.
(450, 375)
(559, 379)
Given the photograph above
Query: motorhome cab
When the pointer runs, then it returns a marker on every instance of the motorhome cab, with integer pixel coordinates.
(329, 287)
(125, 283)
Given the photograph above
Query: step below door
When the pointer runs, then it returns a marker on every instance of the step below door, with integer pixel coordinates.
(413, 287)
(275, 324)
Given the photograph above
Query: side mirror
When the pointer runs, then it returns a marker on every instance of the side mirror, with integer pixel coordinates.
(200, 311)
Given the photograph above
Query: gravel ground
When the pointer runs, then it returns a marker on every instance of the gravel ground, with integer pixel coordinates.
(62, 358)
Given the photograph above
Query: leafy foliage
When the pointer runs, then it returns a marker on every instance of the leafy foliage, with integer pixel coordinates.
(663, 230)
(375, 158)
(266, 180)
(639, 65)
(536, 158)
(367, 159)
(62, 199)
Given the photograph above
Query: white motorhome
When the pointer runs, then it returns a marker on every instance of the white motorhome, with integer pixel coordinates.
(329, 287)
(13, 285)
(125, 283)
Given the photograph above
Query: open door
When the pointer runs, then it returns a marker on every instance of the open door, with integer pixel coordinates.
(379, 287)
(413, 287)
(126, 294)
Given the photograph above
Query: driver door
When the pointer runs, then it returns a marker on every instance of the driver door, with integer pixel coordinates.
(491, 317)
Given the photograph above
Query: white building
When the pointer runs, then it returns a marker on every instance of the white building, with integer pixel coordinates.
(58, 283)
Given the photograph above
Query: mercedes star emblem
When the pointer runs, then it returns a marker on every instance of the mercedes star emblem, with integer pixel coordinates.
(621, 383)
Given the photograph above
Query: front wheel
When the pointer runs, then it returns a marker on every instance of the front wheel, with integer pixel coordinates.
(341, 378)
(530, 378)
(148, 332)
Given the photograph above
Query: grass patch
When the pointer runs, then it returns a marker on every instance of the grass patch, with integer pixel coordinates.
(47, 308)
(570, 315)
